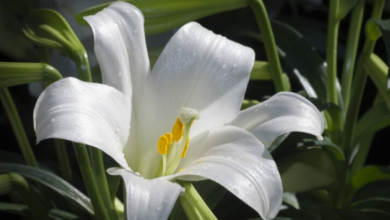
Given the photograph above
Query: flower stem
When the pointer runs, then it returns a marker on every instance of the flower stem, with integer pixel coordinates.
(269, 43)
(331, 51)
(192, 197)
(18, 128)
(100, 176)
(81, 60)
(358, 88)
(90, 182)
(351, 51)
(191, 212)
(63, 160)
(9, 182)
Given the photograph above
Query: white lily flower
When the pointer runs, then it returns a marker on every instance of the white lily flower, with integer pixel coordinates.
(196, 86)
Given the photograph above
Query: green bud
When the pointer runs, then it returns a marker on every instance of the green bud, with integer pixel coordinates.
(47, 28)
(164, 15)
(12, 74)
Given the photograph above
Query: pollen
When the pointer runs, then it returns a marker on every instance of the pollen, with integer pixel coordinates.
(183, 154)
(163, 144)
(177, 130)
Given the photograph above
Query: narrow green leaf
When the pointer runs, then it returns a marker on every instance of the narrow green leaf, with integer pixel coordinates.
(375, 119)
(384, 26)
(56, 214)
(165, 15)
(369, 175)
(17, 209)
(372, 203)
(50, 180)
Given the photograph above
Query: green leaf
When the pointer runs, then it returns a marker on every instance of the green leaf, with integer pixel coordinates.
(50, 180)
(164, 15)
(374, 189)
(375, 119)
(15, 209)
(306, 170)
(377, 70)
(369, 214)
(368, 175)
(384, 26)
(248, 103)
(372, 203)
(61, 215)
(48, 28)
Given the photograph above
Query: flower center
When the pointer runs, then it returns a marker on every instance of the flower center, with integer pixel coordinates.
(173, 146)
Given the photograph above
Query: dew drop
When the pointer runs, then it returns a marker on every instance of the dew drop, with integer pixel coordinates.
(235, 191)
(135, 31)
(224, 66)
(53, 119)
(234, 65)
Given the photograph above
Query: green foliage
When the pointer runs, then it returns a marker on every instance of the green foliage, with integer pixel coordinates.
(49, 180)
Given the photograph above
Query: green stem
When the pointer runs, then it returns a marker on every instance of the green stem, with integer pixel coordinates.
(14, 181)
(90, 182)
(269, 43)
(358, 88)
(100, 176)
(191, 212)
(331, 51)
(63, 160)
(17, 127)
(196, 201)
(81, 60)
(351, 51)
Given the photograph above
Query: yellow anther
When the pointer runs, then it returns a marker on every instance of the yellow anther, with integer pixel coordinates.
(177, 130)
(163, 145)
(169, 136)
(183, 154)
(181, 169)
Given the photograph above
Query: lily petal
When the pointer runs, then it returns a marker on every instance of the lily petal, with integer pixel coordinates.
(197, 69)
(88, 113)
(120, 46)
(148, 199)
(235, 159)
(283, 113)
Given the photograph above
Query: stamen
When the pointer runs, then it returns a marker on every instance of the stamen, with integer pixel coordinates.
(177, 130)
(163, 145)
(183, 154)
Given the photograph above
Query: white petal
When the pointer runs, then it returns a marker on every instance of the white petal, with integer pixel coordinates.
(235, 159)
(283, 113)
(148, 199)
(197, 69)
(88, 113)
(120, 46)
